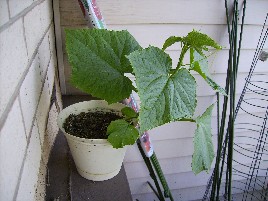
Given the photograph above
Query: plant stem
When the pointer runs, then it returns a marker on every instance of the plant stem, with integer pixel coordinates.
(183, 52)
(151, 171)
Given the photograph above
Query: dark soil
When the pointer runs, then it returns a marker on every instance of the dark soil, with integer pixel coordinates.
(90, 125)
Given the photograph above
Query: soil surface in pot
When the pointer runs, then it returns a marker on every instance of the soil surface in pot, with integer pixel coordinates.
(90, 125)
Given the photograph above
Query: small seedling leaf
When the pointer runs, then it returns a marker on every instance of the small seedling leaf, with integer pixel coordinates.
(200, 42)
(121, 133)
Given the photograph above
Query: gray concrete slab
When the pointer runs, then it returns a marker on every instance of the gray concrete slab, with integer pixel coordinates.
(58, 171)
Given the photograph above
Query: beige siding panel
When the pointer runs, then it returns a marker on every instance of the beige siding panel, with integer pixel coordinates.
(171, 148)
(179, 181)
(152, 22)
(137, 169)
(175, 181)
(152, 12)
(156, 34)
(184, 129)
(218, 61)
(179, 130)
(188, 194)
(203, 89)
(186, 11)
(247, 105)
(178, 135)
(177, 147)
(176, 165)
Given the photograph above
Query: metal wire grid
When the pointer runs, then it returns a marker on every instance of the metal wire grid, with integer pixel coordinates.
(250, 149)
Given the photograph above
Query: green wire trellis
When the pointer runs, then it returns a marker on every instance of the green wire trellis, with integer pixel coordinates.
(227, 146)
(234, 54)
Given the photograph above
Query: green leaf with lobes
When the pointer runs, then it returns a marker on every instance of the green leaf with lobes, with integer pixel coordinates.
(199, 42)
(203, 146)
(199, 63)
(164, 96)
(194, 39)
(121, 133)
(98, 61)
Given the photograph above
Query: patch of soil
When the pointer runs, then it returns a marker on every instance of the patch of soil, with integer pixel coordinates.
(90, 125)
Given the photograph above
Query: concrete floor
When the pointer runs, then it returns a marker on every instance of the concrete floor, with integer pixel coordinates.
(64, 182)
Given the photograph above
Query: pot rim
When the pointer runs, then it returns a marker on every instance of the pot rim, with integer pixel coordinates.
(71, 110)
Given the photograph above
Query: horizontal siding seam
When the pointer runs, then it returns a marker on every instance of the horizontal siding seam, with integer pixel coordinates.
(17, 88)
(170, 189)
(193, 186)
(170, 23)
(176, 173)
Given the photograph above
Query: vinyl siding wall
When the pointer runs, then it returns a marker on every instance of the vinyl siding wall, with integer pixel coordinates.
(152, 22)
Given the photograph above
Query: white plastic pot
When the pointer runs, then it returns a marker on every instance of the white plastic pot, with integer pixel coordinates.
(95, 159)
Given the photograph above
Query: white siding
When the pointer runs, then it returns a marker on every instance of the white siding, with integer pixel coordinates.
(175, 11)
(151, 22)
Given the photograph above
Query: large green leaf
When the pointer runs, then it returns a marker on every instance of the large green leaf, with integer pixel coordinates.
(98, 61)
(121, 133)
(199, 41)
(203, 146)
(199, 63)
(164, 96)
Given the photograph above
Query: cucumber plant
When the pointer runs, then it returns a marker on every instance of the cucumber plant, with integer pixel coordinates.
(100, 60)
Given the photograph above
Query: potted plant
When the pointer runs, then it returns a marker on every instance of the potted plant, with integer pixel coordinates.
(100, 60)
